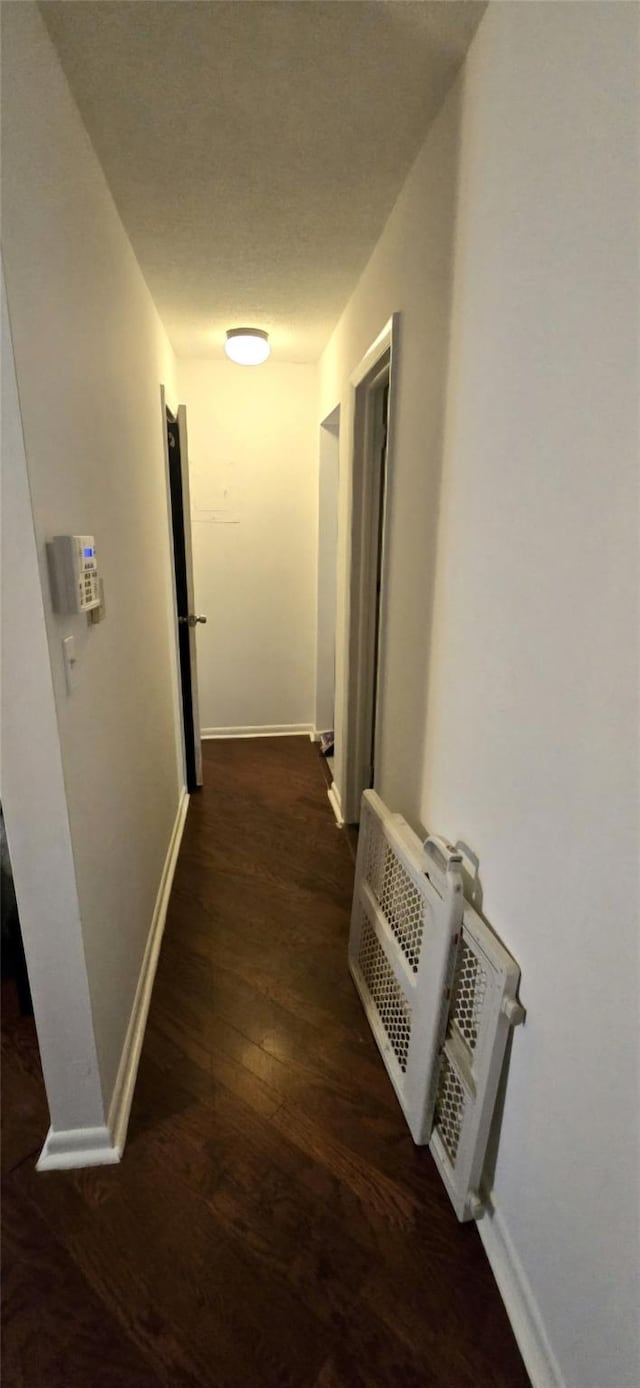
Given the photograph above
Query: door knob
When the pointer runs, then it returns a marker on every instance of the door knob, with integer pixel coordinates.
(192, 619)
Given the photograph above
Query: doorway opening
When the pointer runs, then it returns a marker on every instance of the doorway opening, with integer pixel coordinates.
(187, 620)
(372, 385)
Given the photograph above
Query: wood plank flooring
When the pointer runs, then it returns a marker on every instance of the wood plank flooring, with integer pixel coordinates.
(272, 1222)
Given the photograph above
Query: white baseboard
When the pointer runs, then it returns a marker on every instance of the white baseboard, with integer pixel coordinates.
(520, 1304)
(77, 1147)
(261, 730)
(103, 1146)
(336, 804)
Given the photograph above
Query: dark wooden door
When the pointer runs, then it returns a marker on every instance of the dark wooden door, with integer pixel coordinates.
(187, 618)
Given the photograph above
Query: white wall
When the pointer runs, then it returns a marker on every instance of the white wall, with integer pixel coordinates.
(33, 798)
(90, 355)
(328, 475)
(253, 465)
(519, 647)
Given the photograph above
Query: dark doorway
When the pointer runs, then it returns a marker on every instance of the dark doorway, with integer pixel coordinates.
(187, 619)
(381, 427)
(14, 964)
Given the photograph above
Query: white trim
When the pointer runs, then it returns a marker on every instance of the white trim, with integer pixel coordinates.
(77, 1147)
(328, 511)
(261, 730)
(362, 538)
(336, 804)
(521, 1306)
(374, 352)
(102, 1146)
(183, 442)
(178, 712)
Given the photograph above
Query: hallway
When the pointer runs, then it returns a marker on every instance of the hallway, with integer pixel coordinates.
(271, 1222)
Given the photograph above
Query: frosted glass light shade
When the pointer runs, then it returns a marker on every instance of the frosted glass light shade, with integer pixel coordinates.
(247, 346)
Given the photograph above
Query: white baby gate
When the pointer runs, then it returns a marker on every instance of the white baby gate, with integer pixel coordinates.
(439, 991)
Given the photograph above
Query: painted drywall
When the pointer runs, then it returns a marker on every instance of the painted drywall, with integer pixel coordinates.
(328, 472)
(510, 661)
(253, 473)
(34, 802)
(90, 355)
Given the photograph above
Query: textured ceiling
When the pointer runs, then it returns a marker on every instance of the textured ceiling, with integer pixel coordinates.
(255, 148)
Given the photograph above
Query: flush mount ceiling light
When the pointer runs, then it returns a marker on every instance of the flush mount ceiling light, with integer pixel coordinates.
(247, 346)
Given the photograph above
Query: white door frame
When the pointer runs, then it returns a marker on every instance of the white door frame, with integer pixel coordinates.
(181, 425)
(175, 645)
(364, 501)
(326, 587)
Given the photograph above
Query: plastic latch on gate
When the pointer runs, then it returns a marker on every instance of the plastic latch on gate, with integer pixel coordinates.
(443, 856)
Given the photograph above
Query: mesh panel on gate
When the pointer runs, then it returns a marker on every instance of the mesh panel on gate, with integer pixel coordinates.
(449, 1108)
(392, 1006)
(375, 854)
(468, 994)
(396, 894)
(439, 989)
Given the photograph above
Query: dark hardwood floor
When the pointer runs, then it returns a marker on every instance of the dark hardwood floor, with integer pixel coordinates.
(272, 1222)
